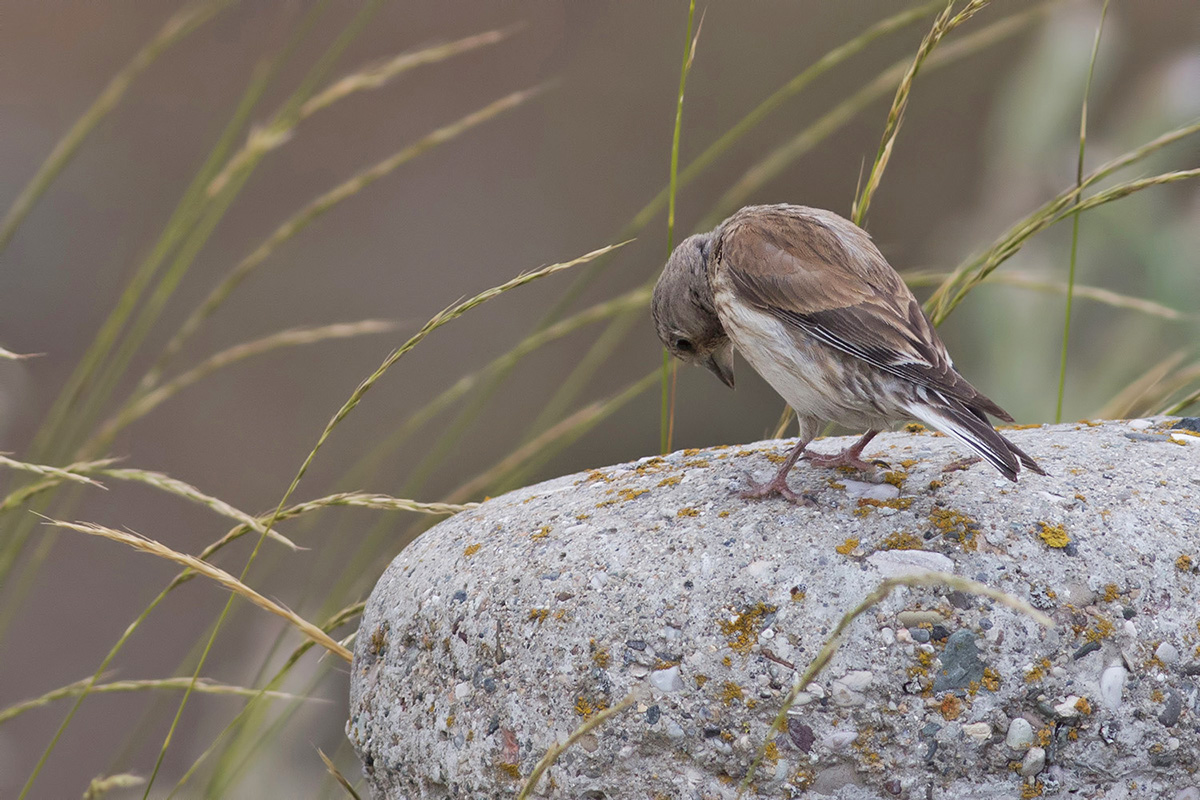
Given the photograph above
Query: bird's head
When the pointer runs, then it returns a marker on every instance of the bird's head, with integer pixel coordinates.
(684, 315)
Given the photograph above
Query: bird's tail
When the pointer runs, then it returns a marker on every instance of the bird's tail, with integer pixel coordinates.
(971, 427)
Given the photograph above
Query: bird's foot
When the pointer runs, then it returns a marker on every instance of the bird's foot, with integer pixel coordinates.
(776, 486)
(846, 458)
(962, 463)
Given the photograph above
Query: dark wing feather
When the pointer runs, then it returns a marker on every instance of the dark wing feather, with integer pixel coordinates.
(822, 274)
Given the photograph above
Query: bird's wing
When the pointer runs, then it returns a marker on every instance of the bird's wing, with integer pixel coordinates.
(822, 274)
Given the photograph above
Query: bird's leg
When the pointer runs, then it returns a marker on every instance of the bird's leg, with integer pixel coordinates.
(778, 484)
(848, 457)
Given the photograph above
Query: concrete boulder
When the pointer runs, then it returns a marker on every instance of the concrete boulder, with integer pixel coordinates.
(499, 631)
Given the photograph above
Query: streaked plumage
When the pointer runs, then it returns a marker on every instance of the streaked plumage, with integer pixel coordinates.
(814, 307)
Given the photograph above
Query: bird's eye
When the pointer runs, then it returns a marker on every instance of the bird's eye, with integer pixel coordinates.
(683, 345)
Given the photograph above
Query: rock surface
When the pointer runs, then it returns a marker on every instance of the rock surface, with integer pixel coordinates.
(499, 631)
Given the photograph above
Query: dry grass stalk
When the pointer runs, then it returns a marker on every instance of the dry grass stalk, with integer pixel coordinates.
(145, 545)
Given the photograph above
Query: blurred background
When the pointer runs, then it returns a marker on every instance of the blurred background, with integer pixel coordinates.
(991, 133)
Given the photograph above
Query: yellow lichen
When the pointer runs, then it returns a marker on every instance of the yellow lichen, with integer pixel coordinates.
(991, 679)
(1031, 790)
(951, 707)
(544, 533)
(671, 480)
(1103, 629)
(539, 614)
(1184, 563)
(955, 526)
(687, 512)
(511, 770)
(1111, 592)
(914, 427)
(771, 752)
(1083, 706)
(730, 693)
(867, 504)
(471, 550)
(847, 547)
(902, 540)
(701, 680)
(698, 463)
(582, 517)
(798, 594)
(1043, 736)
(722, 514)
(895, 478)
(692, 451)
(1054, 535)
(741, 632)
(934, 485)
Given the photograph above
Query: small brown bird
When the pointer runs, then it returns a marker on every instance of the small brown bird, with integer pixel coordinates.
(812, 304)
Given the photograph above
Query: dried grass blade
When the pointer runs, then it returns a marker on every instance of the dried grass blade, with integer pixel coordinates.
(146, 545)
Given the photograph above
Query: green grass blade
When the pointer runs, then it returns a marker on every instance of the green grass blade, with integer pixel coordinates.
(317, 208)
(175, 29)
(689, 55)
(1087, 90)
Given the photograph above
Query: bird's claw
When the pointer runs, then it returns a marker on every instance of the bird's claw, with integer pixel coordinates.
(843, 459)
(776, 486)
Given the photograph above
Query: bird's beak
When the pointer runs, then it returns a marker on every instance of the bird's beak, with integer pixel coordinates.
(720, 361)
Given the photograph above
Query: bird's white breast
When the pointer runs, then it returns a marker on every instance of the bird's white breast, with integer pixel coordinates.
(804, 372)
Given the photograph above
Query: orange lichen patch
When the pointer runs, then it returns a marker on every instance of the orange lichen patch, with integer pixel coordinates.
(991, 679)
(1043, 736)
(1083, 706)
(600, 655)
(1081, 498)
(955, 525)
(471, 550)
(909, 463)
(587, 709)
(622, 494)
(582, 517)
(701, 680)
(544, 533)
(1038, 671)
(847, 547)
(1031, 790)
(741, 632)
(951, 707)
(1054, 535)
(1157, 696)
(1102, 630)
(692, 451)
(902, 540)
(1184, 563)
(539, 614)
(652, 465)
(597, 475)
(867, 504)
(731, 693)
(687, 512)
(935, 485)
(1028, 427)
(1089, 423)
(1073, 735)
(699, 463)
(671, 480)
(895, 478)
(771, 753)
(775, 458)
(722, 514)
(1111, 592)
(914, 427)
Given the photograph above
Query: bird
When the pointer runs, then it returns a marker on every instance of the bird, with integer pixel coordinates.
(812, 305)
